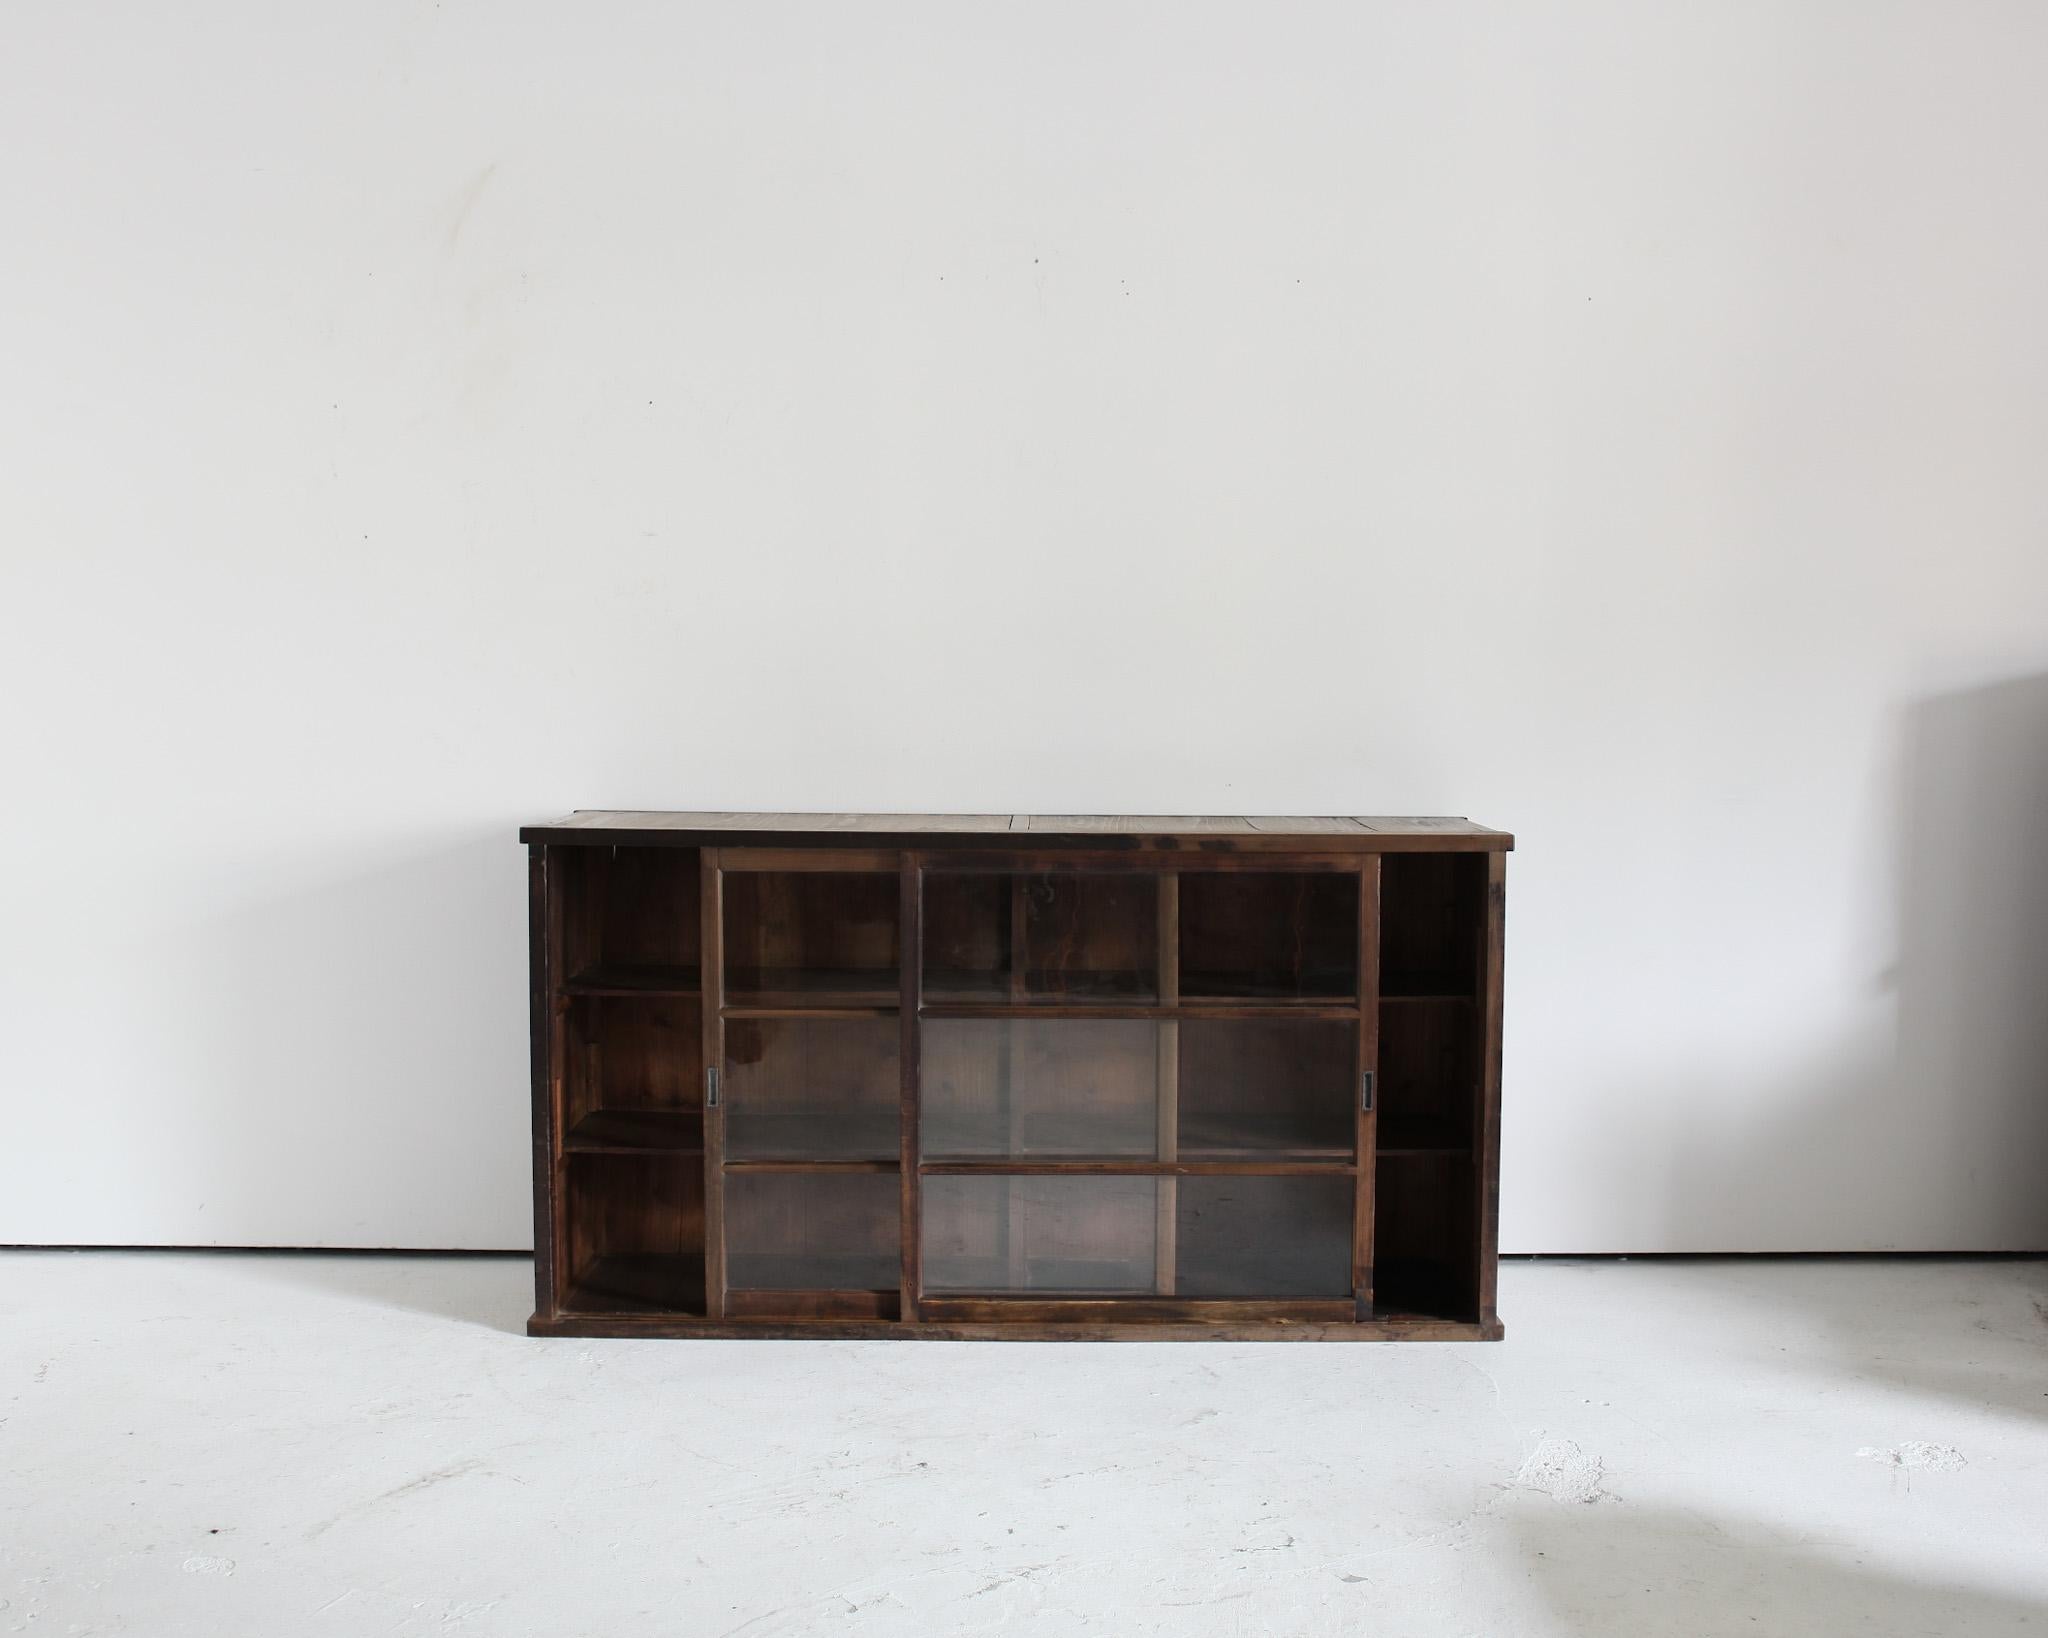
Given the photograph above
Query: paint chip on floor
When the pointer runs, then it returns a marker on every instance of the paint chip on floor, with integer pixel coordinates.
(200, 1564)
(1917, 1456)
(1563, 1472)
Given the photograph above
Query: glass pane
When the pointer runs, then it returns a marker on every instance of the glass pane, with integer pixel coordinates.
(1263, 1237)
(811, 935)
(1051, 936)
(1267, 1087)
(812, 1089)
(998, 1233)
(1269, 936)
(1063, 1088)
(1041, 1087)
(813, 1231)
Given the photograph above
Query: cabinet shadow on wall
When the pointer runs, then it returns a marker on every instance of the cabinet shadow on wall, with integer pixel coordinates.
(360, 1036)
(1950, 1102)
(1972, 972)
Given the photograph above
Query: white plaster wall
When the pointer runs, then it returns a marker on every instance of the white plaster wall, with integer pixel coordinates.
(1621, 423)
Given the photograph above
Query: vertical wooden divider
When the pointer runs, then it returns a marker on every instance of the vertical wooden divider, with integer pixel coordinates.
(1486, 1129)
(1013, 1237)
(590, 1084)
(1368, 1064)
(549, 1179)
(910, 962)
(1166, 1236)
(711, 989)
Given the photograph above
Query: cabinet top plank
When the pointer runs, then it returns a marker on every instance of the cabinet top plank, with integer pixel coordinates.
(1181, 832)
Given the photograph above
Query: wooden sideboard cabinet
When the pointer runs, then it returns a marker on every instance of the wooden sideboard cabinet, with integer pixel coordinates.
(942, 1075)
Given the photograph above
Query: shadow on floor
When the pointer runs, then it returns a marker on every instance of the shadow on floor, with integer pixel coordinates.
(1647, 1573)
(491, 1289)
(1994, 1345)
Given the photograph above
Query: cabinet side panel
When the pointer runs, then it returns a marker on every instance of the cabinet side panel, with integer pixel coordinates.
(1366, 1144)
(1487, 1128)
(711, 985)
(910, 956)
(542, 1023)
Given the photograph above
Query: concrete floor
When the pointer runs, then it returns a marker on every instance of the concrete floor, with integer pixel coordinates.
(272, 1444)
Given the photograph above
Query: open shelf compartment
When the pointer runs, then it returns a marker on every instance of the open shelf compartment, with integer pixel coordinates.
(632, 1073)
(1426, 1196)
(629, 921)
(634, 1234)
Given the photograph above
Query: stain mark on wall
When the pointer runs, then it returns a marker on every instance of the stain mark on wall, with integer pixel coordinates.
(466, 201)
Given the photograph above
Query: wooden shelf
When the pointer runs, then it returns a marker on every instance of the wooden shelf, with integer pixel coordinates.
(1129, 1073)
(777, 987)
(637, 1131)
(814, 1271)
(1312, 990)
(1421, 1288)
(801, 1167)
(1199, 1008)
(1129, 1166)
(1044, 988)
(1091, 1316)
(615, 979)
(639, 1283)
(1242, 1135)
(1234, 1143)
(991, 1280)
(1201, 1279)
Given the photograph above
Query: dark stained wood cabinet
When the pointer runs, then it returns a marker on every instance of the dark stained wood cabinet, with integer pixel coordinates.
(949, 1075)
